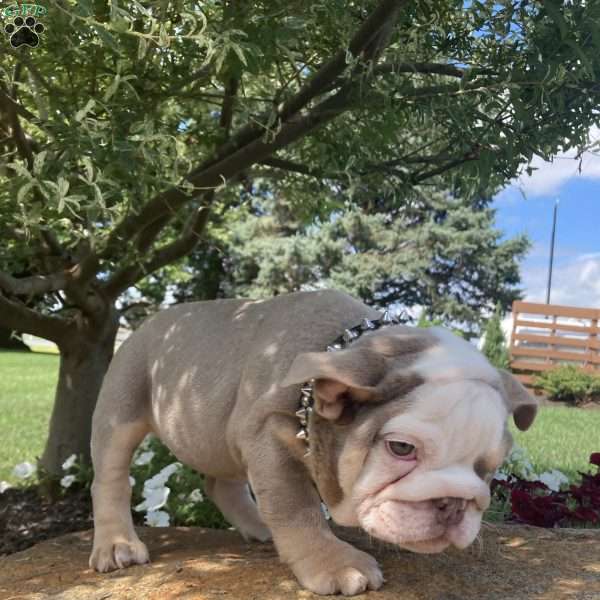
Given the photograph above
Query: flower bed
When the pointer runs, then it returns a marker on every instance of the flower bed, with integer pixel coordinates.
(549, 500)
(165, 492)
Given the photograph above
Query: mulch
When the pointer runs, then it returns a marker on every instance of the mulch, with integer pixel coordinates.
(26, 518)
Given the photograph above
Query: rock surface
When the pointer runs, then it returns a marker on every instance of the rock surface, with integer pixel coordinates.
(510, 563)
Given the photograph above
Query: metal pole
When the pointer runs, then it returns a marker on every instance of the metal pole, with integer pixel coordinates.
(551, 253)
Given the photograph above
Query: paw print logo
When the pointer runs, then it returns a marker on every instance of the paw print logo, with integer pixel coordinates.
(24, 31)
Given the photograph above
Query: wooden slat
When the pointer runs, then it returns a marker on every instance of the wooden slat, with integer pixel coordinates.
(528, 331)
(555, 310)
(523, 365)
(554, 354)
(560, 326)
(528, 380)
(556, 340)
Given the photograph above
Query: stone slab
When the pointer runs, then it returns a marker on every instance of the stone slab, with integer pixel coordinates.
(507, 563)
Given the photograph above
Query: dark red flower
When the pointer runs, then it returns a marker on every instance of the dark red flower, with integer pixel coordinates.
(542, 511)
(587, 515)
(532, 502)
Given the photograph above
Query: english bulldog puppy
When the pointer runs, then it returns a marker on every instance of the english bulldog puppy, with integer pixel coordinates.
(398, 430)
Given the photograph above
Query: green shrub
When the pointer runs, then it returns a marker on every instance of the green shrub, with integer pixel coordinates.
(571, 384)
(187, 504)
(494, 346)
(164, 491)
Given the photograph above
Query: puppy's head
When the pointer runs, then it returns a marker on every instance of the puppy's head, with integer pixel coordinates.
(409, 426)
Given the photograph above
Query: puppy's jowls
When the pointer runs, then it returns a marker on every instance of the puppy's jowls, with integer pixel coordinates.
(407, 428)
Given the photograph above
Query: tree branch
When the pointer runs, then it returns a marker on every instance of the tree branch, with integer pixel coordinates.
(34, 285)
(13, 108)
(16, 316)
(294, 167)
(22, 57)
(468, 157)
(424, 68)
(6, 100)
(67, 280)
(227, 108)
(183, 245)
(247, 147)
(383, 17)
(147, 236)
(177, 249)
(18, 135)
(365, 40)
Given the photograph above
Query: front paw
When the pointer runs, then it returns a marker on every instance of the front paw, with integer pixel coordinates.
(118, 553)
(254, 532)
(338, 568)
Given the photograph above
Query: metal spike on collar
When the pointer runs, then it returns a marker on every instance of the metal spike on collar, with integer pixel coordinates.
(367, 324)
(387, 318)
(402, 317)
(302, 434)
(303, 414)
(350, 335)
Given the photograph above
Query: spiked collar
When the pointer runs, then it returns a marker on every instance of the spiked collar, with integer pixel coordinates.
(347, 338)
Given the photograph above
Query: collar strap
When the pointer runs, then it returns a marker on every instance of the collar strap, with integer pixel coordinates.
(347, 338)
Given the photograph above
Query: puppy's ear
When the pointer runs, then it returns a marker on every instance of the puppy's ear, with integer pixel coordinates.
(520, 402)
(341, 378)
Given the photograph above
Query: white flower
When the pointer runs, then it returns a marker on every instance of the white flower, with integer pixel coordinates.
(518, 463)
(162, 476)
(24, 470)
(146, 441)
(131, 481)
(4, 485)
(144, 458)
(154, 498)
(196, 496)
(70, 462)
(499, 476)
(67, 480)
(554, 479)
(157, 518)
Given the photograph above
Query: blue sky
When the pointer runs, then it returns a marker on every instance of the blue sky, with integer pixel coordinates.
(526, 207)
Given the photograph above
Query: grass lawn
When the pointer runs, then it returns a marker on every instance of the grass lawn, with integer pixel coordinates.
(561, 438)
(27, 382)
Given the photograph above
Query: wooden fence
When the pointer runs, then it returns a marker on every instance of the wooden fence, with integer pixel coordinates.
(545, 335)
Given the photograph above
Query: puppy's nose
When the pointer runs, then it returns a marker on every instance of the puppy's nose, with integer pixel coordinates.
(450, 511)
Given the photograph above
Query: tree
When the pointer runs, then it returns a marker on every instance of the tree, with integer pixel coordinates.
(494, 345)
(136, 126)
(447, 258)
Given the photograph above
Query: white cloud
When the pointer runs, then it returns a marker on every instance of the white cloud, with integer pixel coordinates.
(574, 283)
(549, 177)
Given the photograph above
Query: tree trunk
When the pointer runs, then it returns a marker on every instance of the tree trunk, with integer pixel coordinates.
(84, 360)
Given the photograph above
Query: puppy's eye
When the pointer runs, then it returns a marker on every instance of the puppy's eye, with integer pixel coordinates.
(402, 450)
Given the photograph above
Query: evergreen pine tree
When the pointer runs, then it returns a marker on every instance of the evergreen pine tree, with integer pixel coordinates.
(494, 346)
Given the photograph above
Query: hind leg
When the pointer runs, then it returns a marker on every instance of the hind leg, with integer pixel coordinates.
(116, 544)
(235, 502)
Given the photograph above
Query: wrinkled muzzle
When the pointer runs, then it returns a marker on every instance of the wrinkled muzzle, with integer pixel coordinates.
(426, 526)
